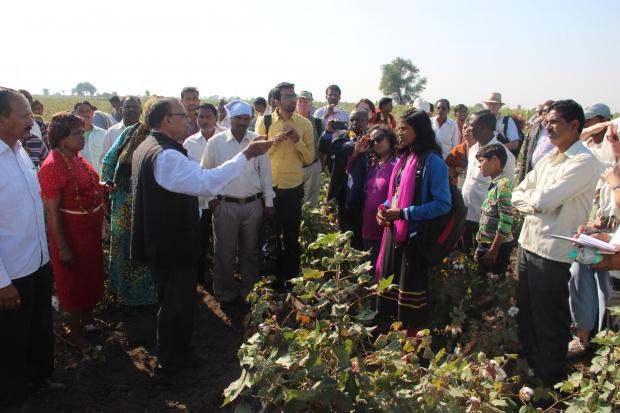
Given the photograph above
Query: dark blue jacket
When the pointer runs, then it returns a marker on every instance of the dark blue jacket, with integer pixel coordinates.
(436, 199)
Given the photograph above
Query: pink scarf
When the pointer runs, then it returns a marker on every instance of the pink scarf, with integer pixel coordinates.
(400, 230)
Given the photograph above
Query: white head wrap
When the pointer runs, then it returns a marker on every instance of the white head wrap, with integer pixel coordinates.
(238, 108)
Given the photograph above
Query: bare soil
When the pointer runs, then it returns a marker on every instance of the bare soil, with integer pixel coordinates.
(118, 377)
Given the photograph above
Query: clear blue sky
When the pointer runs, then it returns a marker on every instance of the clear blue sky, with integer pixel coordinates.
(528, 50)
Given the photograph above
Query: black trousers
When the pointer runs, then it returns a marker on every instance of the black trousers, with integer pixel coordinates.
(350, 219)
(287, 204)
(27, 340)
(206, 232)
(176, 292)
(502, 262)
(544, 316)
(469, 237)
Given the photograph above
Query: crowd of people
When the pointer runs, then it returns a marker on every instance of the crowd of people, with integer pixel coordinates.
(193, 182)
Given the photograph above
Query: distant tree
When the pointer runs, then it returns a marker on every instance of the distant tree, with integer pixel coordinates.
(84, 88)
(46, 91)
(147, 93)
(401, 80)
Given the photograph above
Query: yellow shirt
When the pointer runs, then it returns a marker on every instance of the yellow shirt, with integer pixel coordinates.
(288, 158)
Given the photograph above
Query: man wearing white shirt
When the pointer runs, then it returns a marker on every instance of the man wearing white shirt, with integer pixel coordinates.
(332, 110)
(238, 207)
(195, 145)
(598, 113)
(555, 198)
(27, 343)
(446, 130)
(504, 124)
(165, 232)
(93, 150)
(131, 110)
(482, 125)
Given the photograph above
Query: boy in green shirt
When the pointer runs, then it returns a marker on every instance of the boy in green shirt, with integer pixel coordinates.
(496, 218)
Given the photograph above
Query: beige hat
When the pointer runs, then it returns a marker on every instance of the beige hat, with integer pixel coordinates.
(422, 105)
(304, 94)
(494, 97)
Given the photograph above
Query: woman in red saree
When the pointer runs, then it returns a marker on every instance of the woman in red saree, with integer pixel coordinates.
(74, 203)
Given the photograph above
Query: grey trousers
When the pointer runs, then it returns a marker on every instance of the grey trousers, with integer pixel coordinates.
(235, 230)
(312, 183)
(589, 293)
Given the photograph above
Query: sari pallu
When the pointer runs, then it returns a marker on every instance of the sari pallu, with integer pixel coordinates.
(131, 283)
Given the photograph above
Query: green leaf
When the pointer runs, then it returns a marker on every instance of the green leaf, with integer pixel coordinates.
(235, 388)
(310, 273)
(285, 361)
(614, 310)
(499, 403)
(385, 283)
(243, 408)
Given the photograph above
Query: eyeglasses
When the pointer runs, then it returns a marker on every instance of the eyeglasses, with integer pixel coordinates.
(289, 97)
(178, 114)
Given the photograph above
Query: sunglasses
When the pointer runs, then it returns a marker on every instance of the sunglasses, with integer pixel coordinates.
(376, 140)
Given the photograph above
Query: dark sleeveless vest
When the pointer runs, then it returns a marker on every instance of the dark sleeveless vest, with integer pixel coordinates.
(165, 230)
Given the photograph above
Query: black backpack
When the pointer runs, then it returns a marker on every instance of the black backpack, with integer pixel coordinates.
(438, 237)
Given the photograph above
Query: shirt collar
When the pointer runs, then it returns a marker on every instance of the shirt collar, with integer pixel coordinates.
(498, 177)
(574, 150)
(230, 136)
(4, 146)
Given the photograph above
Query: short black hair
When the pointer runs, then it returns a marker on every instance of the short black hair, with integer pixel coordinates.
(260, 101)
(27, 95)
(494, 149)
(6, 94)
(189, 89)
(487, 118)
(333, 87)
(207, 106)
(278, 89)
(460, 107)
(384, 101)
(136, 98)
(114, 99)
(158, 111)
(569, 110)
(444, 100)
(83, 102)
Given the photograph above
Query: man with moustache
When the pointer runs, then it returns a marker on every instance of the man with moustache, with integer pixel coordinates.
(195, 146)
(475, 187)
(555, 197)
(190, 98)
(27, 343)
(237, 209)
(165, 231)
(131, 111)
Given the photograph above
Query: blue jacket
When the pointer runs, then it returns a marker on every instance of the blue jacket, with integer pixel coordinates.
(436, 199)
(340, 148)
